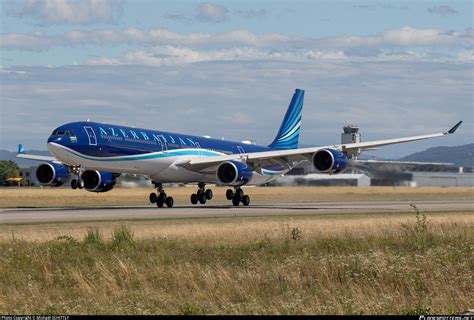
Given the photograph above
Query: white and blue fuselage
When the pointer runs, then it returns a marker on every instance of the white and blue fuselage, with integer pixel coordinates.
(121, 149)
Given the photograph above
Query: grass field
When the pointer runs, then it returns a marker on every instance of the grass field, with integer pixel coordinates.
(334, 264)
(54, 197)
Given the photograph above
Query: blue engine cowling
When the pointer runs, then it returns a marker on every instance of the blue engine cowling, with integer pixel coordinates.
(330, 161)
(52, 174)
(98, 181)
(234, 173)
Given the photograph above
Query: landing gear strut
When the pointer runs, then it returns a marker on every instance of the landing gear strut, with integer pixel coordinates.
(202, 195)
(160, 197)
(77, 182)
(237, 196)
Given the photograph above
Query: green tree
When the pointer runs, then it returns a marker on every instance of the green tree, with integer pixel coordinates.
(8, 169)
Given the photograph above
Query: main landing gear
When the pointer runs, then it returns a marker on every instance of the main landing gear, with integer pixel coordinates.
(202, 195)
(160, 197)
(237, 196)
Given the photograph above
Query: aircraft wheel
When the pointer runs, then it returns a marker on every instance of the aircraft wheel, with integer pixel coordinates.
(229, 194)
(235, 202)
(153, 197)
(239, 193)
(209, 194)
(162, 196)
(202, 198)
(74, 184)
(246, 200)
(169, 202)
(194, 198)
(159, 202)
(80, 184)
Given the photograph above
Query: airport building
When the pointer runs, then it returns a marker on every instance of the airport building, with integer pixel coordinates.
(28, 176)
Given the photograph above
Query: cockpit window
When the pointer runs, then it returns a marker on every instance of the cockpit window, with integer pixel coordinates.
(58, 132)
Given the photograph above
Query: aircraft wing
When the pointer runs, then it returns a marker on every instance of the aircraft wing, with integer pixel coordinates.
(22, 155)
(35, 157)
(292, 157)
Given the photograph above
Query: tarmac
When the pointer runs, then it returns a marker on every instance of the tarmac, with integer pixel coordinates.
(45, 215)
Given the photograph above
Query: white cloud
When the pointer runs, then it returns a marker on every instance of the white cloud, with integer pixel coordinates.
(67, 11)
(213, 13)
(466, 56)
(173, 55)
(406, 37)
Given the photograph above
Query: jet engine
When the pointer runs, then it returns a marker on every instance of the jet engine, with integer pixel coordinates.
(234, 173)
(99, 181)
(52, 174)
(330, 161)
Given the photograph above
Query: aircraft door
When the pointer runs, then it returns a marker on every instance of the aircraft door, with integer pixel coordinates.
(241, 150)
(164, 146)
(91, 135)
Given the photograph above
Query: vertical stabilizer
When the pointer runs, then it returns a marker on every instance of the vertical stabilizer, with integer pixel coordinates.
(289, 133)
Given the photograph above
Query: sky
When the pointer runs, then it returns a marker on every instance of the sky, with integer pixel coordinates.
(228, 69)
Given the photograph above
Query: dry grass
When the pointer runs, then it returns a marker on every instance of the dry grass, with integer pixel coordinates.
(231, 230)
(54, 197)
(378, 263)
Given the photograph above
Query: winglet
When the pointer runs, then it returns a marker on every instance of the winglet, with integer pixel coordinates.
(21, 150)
(453, 129)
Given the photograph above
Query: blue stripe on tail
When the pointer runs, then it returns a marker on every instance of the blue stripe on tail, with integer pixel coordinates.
(289, 133)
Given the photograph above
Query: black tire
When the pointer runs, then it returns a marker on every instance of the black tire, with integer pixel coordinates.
(159, 202)
(153, 197)
(229, 194)
(202, 198)
(239, 193)
(194, 198)
(246, 200)
(169, 202)
(80, 184)
(235, 202)
(209, 194)
(162, 196)
(74, 184)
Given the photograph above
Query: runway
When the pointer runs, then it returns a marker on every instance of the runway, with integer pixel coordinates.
(44, 215)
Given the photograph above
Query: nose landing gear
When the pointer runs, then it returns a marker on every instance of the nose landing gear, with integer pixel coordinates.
(160, 198)
(77, 182)
(202, 195)
(237, 196)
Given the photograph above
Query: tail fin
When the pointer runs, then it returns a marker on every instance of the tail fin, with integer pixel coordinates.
(21, 150)
(289, 133)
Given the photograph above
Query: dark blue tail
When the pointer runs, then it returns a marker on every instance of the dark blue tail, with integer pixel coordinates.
(289, 133)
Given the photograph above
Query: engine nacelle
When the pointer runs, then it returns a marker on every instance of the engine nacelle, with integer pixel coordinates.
(330, 161)
(98, 181)
(52, 174)
(234, 173)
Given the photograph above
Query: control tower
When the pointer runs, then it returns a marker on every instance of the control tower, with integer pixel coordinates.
(351, 135)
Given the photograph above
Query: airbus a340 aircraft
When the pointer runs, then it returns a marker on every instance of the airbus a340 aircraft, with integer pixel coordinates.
(92, 155)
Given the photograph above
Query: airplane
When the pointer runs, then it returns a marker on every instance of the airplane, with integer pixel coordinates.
(92, 156)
